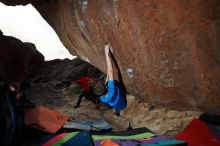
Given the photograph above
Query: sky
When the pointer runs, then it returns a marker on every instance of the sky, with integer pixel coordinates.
(26, 24)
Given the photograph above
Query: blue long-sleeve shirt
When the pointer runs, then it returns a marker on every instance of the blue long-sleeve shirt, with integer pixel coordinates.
(115, 97)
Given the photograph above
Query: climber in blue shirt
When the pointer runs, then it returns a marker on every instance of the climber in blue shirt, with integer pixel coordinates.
(116, 95)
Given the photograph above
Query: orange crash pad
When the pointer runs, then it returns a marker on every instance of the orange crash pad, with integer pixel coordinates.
(45, 119)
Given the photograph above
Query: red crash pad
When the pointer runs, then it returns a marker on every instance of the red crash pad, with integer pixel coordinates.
(197, 133)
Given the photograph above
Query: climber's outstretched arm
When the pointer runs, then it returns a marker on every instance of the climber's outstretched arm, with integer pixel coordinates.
(110, 72)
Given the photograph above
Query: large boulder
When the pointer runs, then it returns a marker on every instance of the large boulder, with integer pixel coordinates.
(18, 60)
(168, 50)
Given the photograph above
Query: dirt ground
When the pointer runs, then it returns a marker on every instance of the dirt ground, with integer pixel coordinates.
(140, 114)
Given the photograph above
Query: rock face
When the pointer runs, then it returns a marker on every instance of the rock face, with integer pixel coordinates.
(168, 50)
(18, 60)
(69, 70)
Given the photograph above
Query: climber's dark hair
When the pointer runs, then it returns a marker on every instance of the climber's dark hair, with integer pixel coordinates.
(98, 87)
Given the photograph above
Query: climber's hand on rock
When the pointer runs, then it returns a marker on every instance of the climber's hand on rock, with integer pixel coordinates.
(107, 47)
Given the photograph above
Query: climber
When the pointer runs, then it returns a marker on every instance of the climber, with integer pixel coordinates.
(116, 91)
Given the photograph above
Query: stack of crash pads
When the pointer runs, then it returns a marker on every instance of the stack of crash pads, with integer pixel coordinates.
(45, 119)
(200, 133)
(134, 137)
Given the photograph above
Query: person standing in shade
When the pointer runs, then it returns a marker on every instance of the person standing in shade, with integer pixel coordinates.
(16, 108)
(116, 94)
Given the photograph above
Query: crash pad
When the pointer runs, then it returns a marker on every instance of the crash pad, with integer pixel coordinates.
(45, 119)
(198, 133)
(99, 125)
